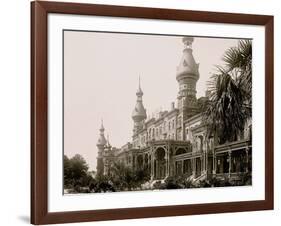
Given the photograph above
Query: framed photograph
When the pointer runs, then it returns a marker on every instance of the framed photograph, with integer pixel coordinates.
(146, 112)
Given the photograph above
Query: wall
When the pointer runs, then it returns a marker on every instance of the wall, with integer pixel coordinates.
(14, 114)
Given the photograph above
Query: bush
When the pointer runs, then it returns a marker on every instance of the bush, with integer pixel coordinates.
(214, 182)
(205, 184)
(102, 184)
(158, 185)
(173, 182)
(247, 179)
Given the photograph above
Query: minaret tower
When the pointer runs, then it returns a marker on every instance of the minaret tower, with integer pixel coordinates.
(139, 112)
(187, 77)
(101, 146)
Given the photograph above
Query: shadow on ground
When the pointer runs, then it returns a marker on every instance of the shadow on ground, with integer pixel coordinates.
(24, 219)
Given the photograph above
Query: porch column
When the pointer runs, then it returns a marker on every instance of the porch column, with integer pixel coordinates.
(214, 164)
(247, 159)
(181, 166)
(152, 165)
(174, 168)
(167, 164)
(143, 161)
(155, 172)
(168, 160)
(193, 166)
(204, 154)
(206, 162)
(229, 164)
(202, 163)
(149, 164)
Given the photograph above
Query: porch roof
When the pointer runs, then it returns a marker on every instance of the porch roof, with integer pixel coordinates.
(233, 146)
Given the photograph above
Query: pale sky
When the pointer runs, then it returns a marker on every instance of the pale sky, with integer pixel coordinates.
(101, 73)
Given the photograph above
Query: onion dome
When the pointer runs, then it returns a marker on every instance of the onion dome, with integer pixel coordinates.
(139, 112)
(101, 140)
(187, 68)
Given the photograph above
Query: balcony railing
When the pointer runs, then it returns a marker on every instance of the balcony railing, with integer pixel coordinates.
(232, 146)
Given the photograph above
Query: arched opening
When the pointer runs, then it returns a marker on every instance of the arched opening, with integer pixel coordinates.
(180, 151)
(146, 162)
(160, 164)
(140, 161)
(198, 166)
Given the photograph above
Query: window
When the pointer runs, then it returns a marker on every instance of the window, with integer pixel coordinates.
(186, 134)
(179, 135)
(179, 121)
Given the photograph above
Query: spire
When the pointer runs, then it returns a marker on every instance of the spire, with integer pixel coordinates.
(139, 91)
(101, 140)
(108, 144)
(101, 128)
(139, 112)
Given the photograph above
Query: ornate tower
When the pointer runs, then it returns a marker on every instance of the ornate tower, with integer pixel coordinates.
(139, 112)
(187, 77)
(101, 146)
(107, 157)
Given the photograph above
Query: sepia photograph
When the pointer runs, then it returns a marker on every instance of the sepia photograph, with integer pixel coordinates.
(154, 112)
(143, 112)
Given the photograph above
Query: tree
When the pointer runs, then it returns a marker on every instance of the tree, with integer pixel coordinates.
(230, 90)
(79, 167)
(239, 59)
(125, 178)
(102, 183)
(76, 173)
(67, 171)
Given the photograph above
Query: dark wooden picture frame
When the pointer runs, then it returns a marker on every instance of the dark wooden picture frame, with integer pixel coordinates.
(39, 112)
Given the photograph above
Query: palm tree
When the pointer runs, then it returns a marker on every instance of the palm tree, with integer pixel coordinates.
(239, 60)
(229, 106)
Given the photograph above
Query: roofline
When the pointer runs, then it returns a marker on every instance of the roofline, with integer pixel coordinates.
(194, 117)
